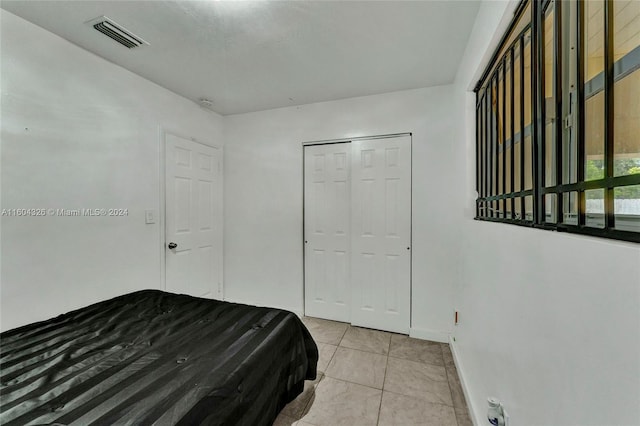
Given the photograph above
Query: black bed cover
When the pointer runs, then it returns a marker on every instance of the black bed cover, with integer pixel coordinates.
(152, 357)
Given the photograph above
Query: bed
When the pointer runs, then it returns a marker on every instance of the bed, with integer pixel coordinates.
(152, 357)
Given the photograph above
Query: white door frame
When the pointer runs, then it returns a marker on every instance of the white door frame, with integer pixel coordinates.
(162, 142)
(346, 140)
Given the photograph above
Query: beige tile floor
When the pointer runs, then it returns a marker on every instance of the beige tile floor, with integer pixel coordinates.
(370, 377)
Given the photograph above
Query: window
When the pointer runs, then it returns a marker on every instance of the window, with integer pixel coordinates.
(558, 120)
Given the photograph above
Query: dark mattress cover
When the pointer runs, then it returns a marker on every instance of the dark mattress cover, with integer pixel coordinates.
(152, 357)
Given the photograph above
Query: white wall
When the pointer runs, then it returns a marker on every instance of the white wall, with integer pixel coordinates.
(550, 322)
(80, 132)
(263, 196)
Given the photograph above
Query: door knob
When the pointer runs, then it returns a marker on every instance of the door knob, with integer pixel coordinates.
(172, 245)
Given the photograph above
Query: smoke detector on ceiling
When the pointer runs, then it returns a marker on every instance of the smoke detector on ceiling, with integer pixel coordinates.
(116, 32)
(206, 103)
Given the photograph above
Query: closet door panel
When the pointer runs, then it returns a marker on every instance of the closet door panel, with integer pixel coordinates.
(381, 233)
(327, 200)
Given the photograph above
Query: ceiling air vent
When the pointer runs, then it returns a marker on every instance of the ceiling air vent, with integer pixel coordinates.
(116, 32)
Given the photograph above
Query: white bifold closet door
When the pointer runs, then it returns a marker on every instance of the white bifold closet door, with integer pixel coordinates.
(375, 250)
(381, 233)
(326, 212)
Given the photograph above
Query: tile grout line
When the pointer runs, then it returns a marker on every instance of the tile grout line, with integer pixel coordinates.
(324, 373)
(344, 334)
(362, 350)
(331, 359)
(306, 406)
(354, 383)
(366, 352)
(386, 367)
(421, 399)
(455, 414)
(371, 351)
(419, 362)
(334, 352)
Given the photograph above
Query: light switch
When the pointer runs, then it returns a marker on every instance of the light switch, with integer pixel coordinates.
(149, 217)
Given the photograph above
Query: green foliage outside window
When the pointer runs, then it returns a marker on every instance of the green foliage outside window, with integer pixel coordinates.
(622, 167)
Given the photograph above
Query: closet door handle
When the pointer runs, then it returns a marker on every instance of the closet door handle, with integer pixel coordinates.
(172, 246)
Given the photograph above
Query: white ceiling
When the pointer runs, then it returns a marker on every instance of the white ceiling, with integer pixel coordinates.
(255, 55)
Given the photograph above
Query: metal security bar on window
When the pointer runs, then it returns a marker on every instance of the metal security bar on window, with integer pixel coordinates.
(558, 121)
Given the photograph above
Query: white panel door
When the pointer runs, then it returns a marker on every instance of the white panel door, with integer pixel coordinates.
(326, 230)
(193, 212)
(381, 233)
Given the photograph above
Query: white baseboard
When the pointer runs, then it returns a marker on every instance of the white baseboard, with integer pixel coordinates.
(474, 413)
(434, 336)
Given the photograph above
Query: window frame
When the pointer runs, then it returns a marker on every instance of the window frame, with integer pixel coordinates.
(490, 126)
